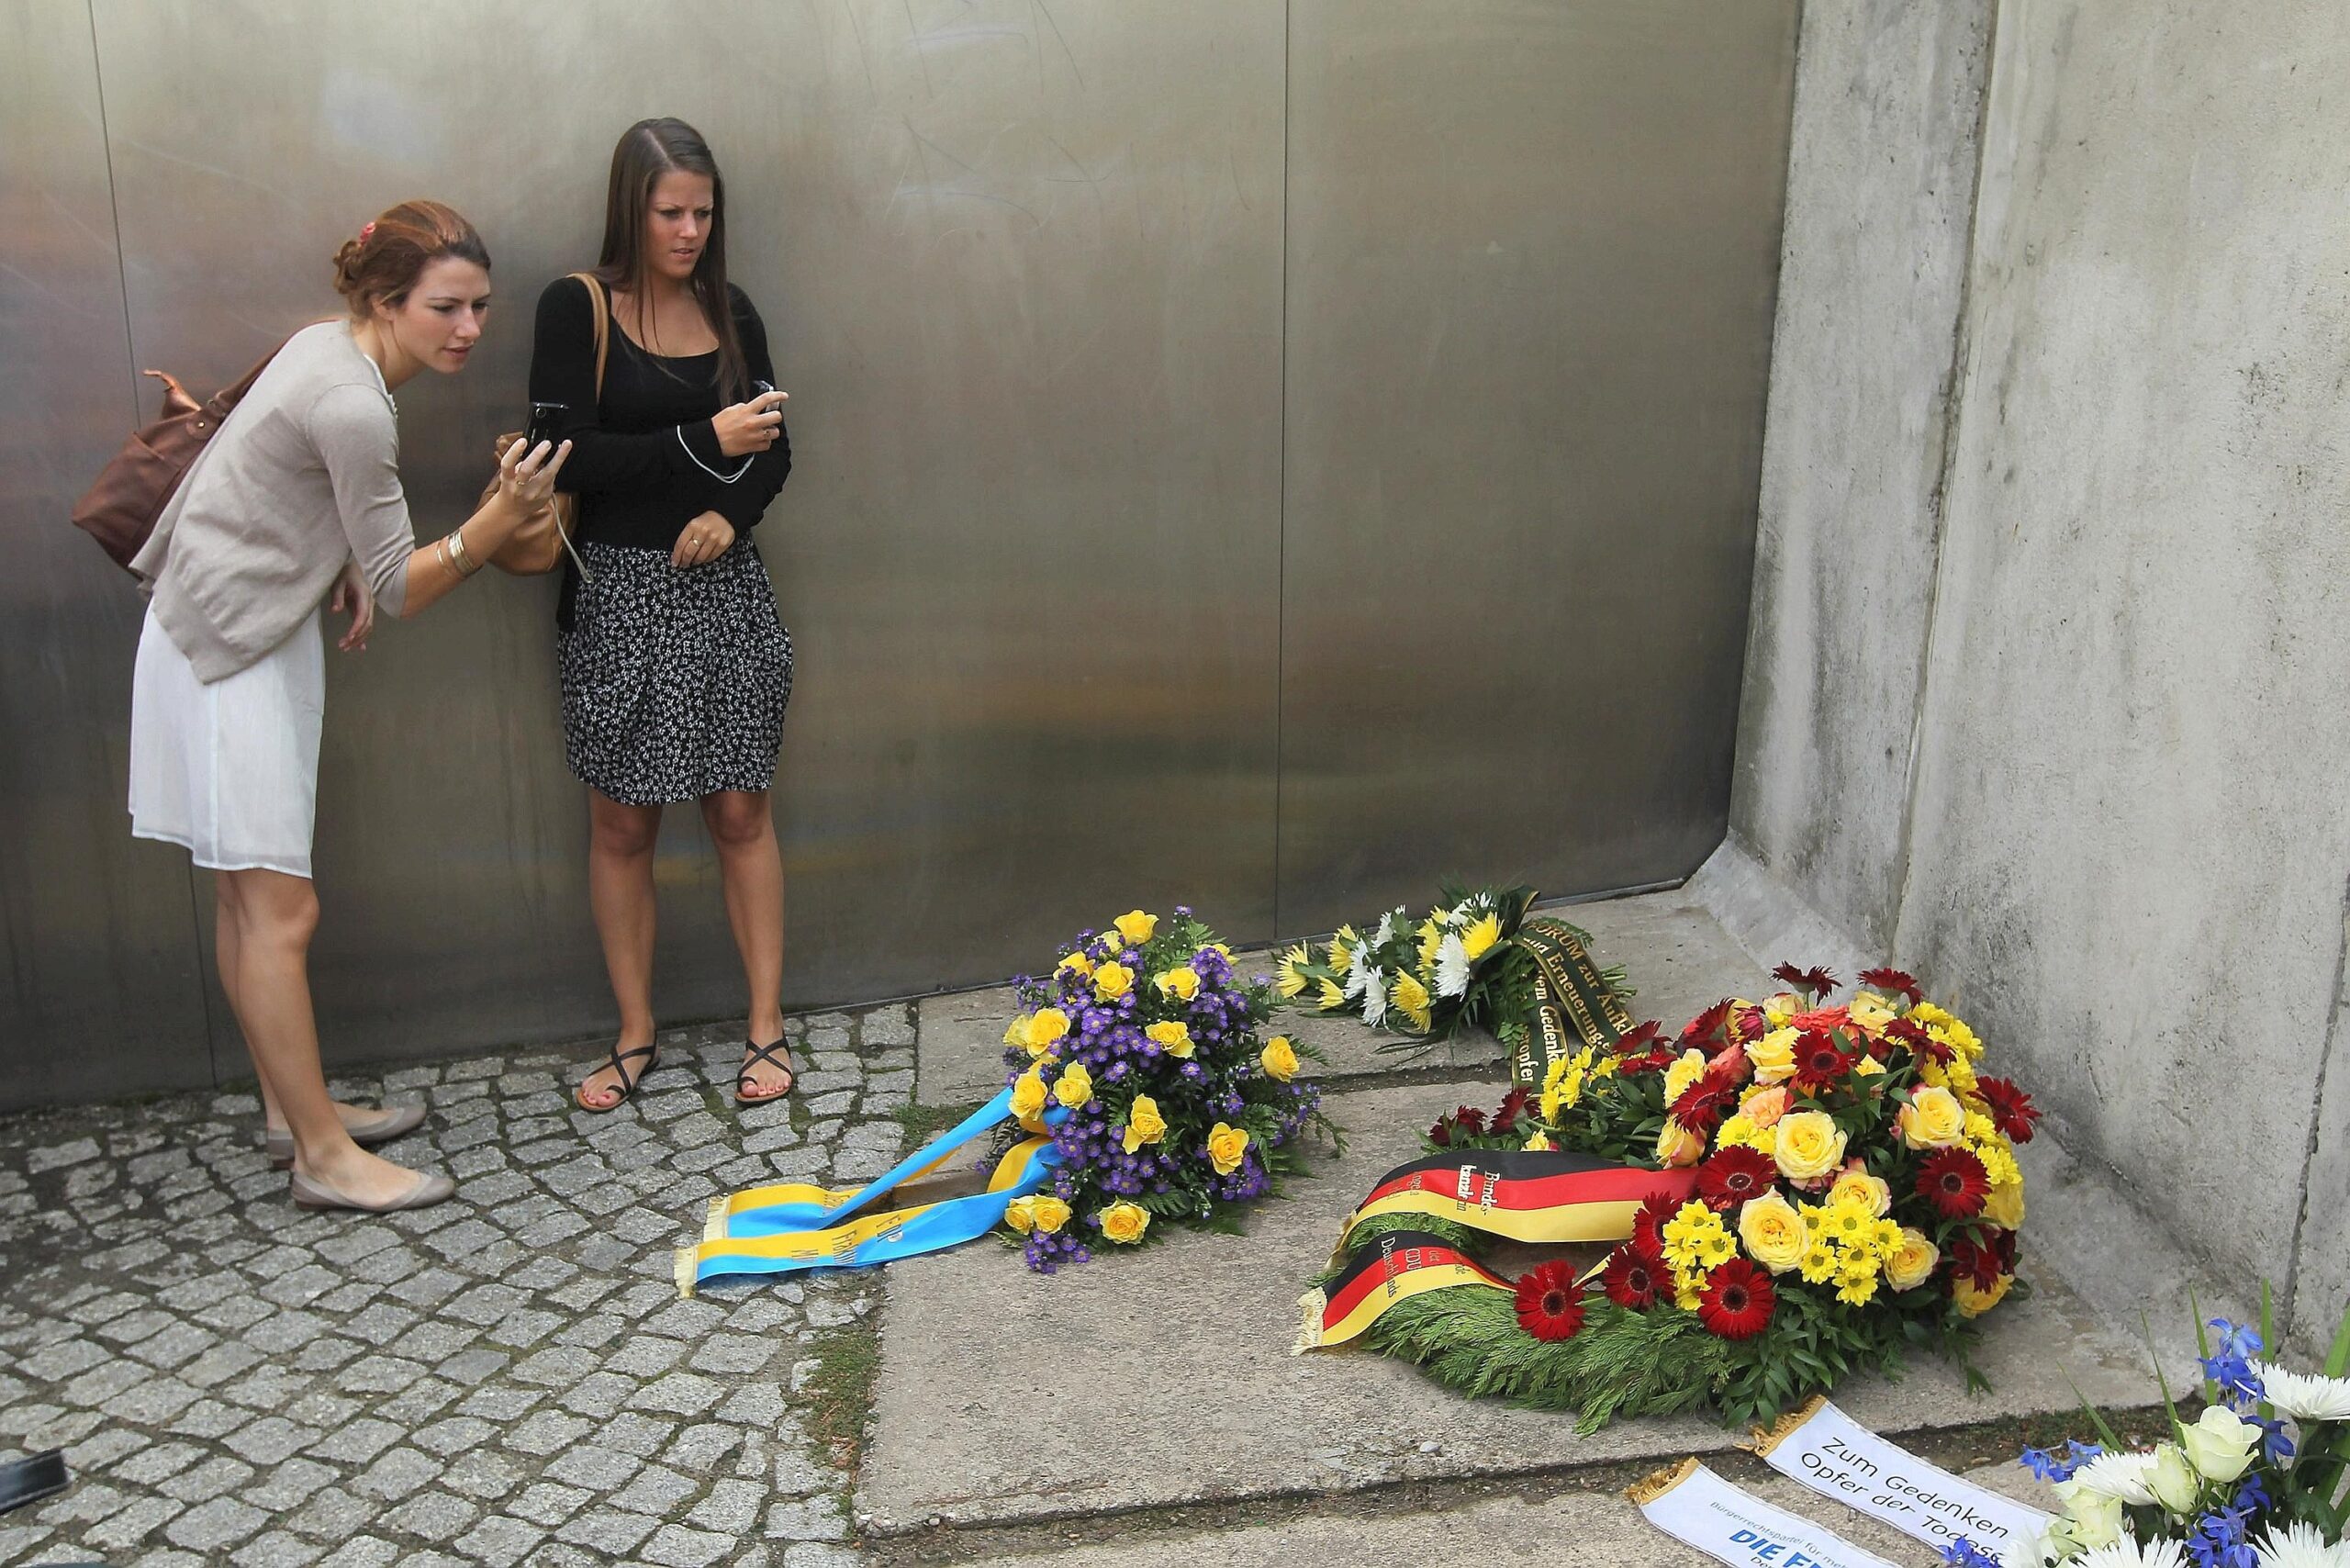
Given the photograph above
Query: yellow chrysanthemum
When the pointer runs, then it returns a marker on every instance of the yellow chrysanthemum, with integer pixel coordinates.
(1412, 998)
(1478, 939)
(1289, 978)
(1330, 999)
(1341, 950)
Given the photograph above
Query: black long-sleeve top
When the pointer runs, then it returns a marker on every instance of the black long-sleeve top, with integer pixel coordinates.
(644, 458)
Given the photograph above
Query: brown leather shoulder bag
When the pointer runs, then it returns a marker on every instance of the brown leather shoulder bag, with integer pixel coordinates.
(120, 508)
(544, 538)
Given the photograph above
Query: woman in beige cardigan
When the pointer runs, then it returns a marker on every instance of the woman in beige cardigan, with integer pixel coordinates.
(297, 498)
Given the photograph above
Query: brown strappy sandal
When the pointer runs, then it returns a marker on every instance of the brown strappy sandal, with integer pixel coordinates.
(618, 1060)
(745, 1085)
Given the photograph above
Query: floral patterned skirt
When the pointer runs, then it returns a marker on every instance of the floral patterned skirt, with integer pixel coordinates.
(675, 679)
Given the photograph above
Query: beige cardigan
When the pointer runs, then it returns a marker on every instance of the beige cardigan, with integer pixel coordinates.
(303, 476)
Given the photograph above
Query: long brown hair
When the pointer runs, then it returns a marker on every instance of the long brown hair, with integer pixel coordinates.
(648, 150)
(391, 254)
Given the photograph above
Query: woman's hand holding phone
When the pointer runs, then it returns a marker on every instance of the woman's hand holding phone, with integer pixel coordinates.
(526, 474)
(749, 427)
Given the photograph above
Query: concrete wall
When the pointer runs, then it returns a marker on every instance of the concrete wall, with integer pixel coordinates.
(2048, 689)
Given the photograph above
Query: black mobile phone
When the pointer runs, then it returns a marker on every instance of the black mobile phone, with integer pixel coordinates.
(546, 419)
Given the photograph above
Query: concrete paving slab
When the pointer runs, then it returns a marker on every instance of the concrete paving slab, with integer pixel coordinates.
(1681, 959)
(1582, 1527)
(1201, 1399)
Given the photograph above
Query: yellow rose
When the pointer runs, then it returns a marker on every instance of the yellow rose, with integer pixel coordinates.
(1021, 1214)
(1539, 1144)
(1677, 1146)
(2003, 1205)
(1143, 1124)
(1137, 927)
(1225, 1147)
(1076, 963)
(1043, 1030)
(1773, 1056)
(1016, 1032)
(1811, 1145)
(1112, 981)
(1867, 1191)
(1870, 1011)
(1172, 1038)
(1932, 1119)
(1913, 1264)
(1279, 1058)
(1028, 1094)
(1124, 1222)
(1867, 1067)
(1974, 1302)
(1076, 1086)
(1182, 984)
(1047, 1213)
(1683, 1073)
(1778, 1008)
(1775, 1234)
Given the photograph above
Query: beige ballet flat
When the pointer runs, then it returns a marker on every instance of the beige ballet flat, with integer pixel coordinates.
(428, 1191)
(368, 1131)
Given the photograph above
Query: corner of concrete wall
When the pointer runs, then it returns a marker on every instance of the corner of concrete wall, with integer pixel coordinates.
(1873, 261)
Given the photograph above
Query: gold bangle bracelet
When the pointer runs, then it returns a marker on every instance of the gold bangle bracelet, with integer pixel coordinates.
(466, 565)
(440, 553)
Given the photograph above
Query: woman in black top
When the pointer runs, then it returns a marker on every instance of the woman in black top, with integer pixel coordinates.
(676, 668)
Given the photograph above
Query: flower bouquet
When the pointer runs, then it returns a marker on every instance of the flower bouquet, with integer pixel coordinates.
(1165, 1102)
(2254, 1481)
(1798, 1190)
(1462, 965)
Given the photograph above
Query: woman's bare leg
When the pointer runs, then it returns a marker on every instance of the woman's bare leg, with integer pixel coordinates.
(621, 840)
(750, 867)
(270, 918)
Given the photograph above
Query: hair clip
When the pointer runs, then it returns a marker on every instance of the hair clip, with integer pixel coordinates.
(366, 230)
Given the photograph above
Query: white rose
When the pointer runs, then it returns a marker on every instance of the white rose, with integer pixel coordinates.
(2092, 1519)
(2173, 1481)
(2221, 1444)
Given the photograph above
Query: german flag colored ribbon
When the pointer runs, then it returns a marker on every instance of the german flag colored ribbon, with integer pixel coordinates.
(1538, 1197)
(791, 1226)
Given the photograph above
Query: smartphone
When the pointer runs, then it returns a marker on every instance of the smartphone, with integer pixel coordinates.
(546, 419)
(765, 390)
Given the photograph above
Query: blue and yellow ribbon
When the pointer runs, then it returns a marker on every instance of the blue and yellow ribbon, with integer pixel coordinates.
(792, 1227)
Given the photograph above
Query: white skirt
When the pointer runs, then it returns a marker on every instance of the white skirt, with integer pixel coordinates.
(229, 770)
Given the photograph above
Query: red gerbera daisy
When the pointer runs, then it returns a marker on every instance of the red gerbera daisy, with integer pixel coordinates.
(1634, 1277)
(2012, 1109)
(1703, 1026)
(1917, 1040)
(1955, 1182)
(1894, 981)
(1983, 1261)
(1649, 1221)
(1549, 1302)
(1813, 982)
(1822, 1060)
(1641, 1037)
(1513, 1104)
(1704, 1103)
(1736, 1300)
(1731, 1176)
(1750, 1026)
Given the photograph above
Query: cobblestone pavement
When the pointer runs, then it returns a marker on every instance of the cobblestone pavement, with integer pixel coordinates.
(509, 1377)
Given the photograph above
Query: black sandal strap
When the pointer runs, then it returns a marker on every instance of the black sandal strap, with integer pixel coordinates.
(618, 1060)
(760, 1053)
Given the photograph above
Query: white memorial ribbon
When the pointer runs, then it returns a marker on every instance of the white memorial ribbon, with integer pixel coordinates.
(1837, 1457)
(1697, 1507)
